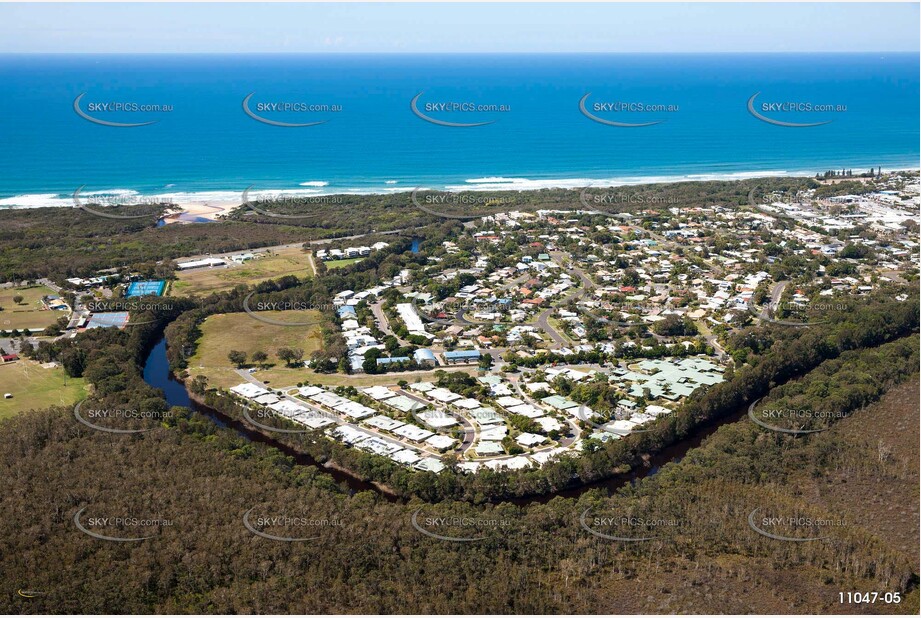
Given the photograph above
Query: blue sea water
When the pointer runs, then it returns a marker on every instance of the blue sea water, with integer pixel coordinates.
(371, 141)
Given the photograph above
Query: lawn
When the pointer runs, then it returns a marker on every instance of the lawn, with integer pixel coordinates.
(34, 387)
(224, 332)
(274, 264)
(333, 264)
(28, 314)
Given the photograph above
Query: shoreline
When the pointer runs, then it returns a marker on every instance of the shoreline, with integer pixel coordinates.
(212, 204)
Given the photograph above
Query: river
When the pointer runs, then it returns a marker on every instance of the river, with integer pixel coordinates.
(157, 374)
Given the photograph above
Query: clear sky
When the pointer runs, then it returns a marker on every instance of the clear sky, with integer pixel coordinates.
(462, 28)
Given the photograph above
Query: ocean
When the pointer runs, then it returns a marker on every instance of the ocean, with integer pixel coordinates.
(366, 137)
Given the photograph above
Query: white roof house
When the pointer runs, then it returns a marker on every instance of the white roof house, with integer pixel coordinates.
(526, 409)
(354, 410)
(496, 432)
(530, 439)
(440, 442)
(384, 422)
(378, 392)
(437, 419)
(411, 432)
(443, 395)
(406, 456)
(430, 464)
(487, 447)
(248, 390)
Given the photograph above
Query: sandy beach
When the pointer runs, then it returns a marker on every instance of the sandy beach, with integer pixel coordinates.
(192, 211)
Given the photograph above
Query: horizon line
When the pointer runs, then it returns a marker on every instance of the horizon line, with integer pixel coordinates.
(444, 53)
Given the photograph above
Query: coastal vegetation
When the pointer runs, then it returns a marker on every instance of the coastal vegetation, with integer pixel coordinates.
(69, 242)
(369, 557)
(855, 374)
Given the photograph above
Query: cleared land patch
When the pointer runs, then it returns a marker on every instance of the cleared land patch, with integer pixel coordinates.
(275, 263)
(239, 331)
(33, 387)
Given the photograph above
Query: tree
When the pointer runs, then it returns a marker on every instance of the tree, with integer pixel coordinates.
(675, 326)
(199, 384)
(291, 356)
(237, 357)
(259, 357)
(370, 365)
(284, 355)
(17, 299)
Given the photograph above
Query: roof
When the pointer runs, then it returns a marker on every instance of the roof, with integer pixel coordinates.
(530, 439)
(430, 464)
(392, 359)
(412, 432)
(462, 354)
(559, 402)
(248, 390)
(440, 442)
(437, 418)
(404, 404)
(384, 422)
(378, 392)
(488, 448)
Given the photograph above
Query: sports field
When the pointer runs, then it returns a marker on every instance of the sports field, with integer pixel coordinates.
(239, 331)
(273, 264)
(33, 387)
(29, 313)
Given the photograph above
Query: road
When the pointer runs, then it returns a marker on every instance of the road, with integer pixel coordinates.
(543, 320)
(383, 323)
(776, 294)
(710, 338)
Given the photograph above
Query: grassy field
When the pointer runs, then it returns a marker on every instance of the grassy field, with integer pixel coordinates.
(238, 331)
(34, 387)
(278, 263)
(333, 264)
(28, 314)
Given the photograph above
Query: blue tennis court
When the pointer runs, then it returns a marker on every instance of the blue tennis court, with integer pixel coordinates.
(145, 288)
(116, 319)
